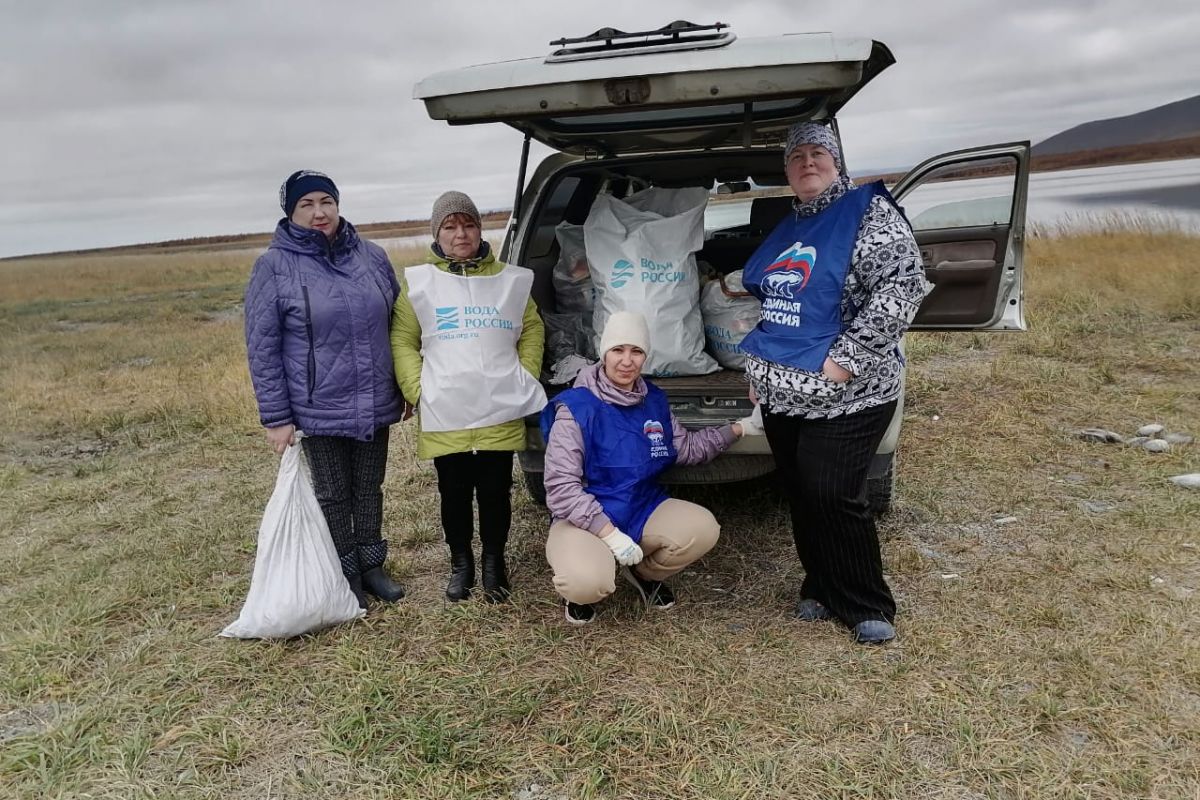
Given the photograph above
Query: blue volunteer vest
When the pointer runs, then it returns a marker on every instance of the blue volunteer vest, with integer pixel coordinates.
(626, 448)
(798, 274)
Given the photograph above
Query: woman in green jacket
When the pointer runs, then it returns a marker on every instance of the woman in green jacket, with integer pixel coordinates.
(467, 344)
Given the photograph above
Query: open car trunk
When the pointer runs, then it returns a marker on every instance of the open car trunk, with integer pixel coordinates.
(694, 106)
(738, 93)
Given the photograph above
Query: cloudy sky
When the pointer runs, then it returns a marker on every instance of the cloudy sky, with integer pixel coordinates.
(142, 120)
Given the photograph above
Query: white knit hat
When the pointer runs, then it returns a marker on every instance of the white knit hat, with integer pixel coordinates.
(625, 327)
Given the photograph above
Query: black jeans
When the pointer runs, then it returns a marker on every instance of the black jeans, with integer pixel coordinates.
(486, 477)
(348, 479)
(822, 467)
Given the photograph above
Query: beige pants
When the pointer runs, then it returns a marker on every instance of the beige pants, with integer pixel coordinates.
(677, 534)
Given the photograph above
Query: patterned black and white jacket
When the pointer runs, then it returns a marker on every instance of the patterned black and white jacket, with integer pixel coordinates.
(883, 290)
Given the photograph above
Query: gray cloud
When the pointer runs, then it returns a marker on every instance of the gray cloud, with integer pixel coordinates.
(133, 121)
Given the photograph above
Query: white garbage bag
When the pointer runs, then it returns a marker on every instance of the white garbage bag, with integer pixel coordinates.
(641, 253)
(297, 586)
(729, 312)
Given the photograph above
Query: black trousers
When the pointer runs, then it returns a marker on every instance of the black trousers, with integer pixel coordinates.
(822, 467)
(348, 479)
(484, 476)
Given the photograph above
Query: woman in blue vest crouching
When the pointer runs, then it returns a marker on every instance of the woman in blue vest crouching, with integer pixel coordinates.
(607, 440)
(840, 278)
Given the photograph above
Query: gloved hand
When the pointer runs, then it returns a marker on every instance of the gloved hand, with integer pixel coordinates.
(624, 549)
(753, 424)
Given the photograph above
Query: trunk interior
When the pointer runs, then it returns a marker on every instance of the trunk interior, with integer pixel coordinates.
(697, 400)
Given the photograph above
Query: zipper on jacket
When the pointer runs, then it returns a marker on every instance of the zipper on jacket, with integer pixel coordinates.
(387, 306)
(312, 355)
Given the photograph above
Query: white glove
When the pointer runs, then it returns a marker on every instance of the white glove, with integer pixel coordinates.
(624, 549)
(752, 425)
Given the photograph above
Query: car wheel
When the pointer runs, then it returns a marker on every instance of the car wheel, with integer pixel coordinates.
(880, 489)
(535, 486)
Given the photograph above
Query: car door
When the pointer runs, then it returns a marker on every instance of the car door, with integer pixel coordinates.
(967, 210)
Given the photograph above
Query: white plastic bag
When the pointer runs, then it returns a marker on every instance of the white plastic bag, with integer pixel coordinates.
(641, 255)
(297, 586)
(730, 312)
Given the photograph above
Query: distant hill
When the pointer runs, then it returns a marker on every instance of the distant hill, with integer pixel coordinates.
(1159, 134)
(1177, 120)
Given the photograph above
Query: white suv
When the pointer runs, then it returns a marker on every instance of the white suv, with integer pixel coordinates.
(693, 105)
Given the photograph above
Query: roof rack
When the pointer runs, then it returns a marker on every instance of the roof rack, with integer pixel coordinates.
(611, 42)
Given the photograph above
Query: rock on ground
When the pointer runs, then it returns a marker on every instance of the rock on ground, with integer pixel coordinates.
(1099, 435)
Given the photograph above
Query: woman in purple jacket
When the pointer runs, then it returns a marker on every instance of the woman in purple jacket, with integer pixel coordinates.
(317, 311)
(607, 440)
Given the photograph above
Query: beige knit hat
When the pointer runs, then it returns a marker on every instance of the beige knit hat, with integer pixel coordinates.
(452, 203)
(625, 327)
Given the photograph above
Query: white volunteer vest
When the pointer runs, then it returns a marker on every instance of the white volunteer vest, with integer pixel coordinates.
(471, 376)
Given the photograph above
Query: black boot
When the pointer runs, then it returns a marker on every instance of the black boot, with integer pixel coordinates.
(495, 578)
(462, 575)
(375, 580)
(352, 571)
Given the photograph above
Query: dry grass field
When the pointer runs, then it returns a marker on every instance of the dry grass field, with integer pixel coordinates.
(1049, 587)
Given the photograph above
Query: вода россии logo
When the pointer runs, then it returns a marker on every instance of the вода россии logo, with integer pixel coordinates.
(790, 271)
(471, 320)
(447, 318)
(622, 271)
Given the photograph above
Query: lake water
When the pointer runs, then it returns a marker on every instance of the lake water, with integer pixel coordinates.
(1164, 191)
(494, 236)
(1160, 194)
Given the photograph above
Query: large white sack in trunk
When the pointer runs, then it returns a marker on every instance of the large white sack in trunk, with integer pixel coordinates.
(297, 584)
(641, 256)
(729, 312)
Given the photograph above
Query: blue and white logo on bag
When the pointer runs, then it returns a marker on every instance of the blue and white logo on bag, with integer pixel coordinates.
(661, 272)
(647, 271)
(723, 340)
(622, 272)
(465, 322)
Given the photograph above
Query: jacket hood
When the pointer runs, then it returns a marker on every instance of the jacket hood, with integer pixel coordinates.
(306, 241)
(595, 381)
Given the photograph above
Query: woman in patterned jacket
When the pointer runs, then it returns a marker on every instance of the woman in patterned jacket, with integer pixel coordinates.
(839, 279)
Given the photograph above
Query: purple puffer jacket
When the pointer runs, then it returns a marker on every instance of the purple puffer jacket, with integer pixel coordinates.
(317, 317)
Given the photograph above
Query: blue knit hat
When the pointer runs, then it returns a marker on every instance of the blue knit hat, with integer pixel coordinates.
(301, 183)
(813, 133)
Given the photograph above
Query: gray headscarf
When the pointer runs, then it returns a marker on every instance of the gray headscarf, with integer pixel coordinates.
(813, 133)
